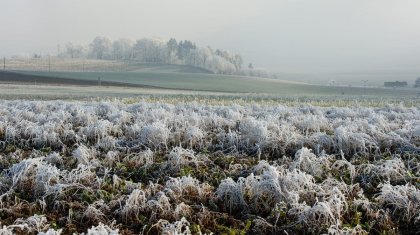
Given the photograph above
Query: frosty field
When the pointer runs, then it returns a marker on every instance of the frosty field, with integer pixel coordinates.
(191, 117)
(181, 165)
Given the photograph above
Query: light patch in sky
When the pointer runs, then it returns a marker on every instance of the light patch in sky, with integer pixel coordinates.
(299, 36)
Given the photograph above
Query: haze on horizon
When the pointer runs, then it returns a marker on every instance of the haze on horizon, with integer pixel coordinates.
(289, 36)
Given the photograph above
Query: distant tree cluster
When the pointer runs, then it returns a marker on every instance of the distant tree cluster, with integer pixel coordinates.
(163, 52)
(417, 83)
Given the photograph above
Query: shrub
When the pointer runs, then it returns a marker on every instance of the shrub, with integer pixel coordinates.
(230, 194)
(403, 200)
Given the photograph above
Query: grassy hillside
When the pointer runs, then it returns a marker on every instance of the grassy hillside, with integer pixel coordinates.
(222, 83)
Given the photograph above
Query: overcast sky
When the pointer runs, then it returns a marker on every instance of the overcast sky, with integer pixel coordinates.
(281, 35)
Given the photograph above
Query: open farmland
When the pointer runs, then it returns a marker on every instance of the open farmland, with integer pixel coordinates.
(117, 73)
(207, 82)
(189, 81)
(176, 165)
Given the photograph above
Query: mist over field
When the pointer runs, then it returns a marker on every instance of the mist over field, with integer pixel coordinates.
(299, 37)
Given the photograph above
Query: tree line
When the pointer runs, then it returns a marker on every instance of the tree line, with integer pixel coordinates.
(155, 51)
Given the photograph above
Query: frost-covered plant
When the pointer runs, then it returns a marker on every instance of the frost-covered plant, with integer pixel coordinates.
(308, 162)
(253, 134)
(107, 143)
(155, 135)
(372, 174)
(82, 174)
(35, 223)
(33, 175)
(337, 201)
(51, 232)
(180, 227)
(135, 203)
(159, 205)
(132, 132)
(5, 230)
(54, 158)
(403, 200)
(319, 142)
(179, 158)
(102, 229)
(264, 166)
(230, 193)
(228, 140)
(95, 212)
(98, 130)
(111, 158)
(351, 142)
(311, 123)
(22, 173)
(45, 177)
(83, 154)
(187, 187)
(265, 193)
(297, 185)
(336, 230)
(194, 137)
(135, 160)
(269, 187)
(344, 170)
(392, 170)
(318, 217)
(182, 210)
(236, 168)
(285, 138)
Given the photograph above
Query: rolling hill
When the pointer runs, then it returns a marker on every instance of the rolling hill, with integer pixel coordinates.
(180, 78)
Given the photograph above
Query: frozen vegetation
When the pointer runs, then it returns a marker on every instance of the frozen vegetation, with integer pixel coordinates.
(114, 167)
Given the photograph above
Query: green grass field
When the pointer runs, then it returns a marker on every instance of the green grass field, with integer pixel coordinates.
(181, 77)
(224, 83)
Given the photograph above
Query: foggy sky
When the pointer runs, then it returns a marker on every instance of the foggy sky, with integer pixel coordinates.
(281, 35)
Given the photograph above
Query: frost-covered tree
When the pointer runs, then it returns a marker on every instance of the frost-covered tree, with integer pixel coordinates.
(172, 46)
(149, 51)
(75, 51)
(122, 49)
(155, 51)
(101, 48)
